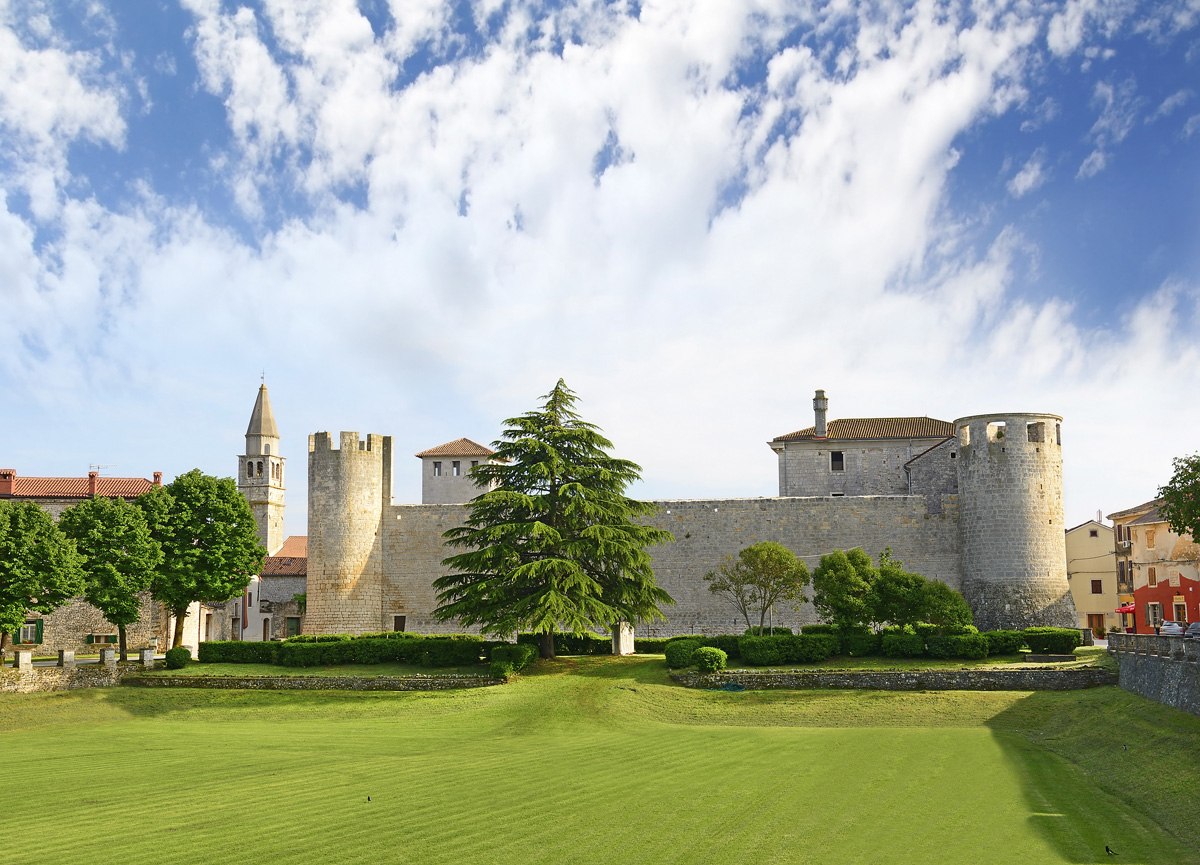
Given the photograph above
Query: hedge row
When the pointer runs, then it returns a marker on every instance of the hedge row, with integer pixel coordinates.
(1052, 641)
(572, 644)
(510, 658)
(455, 650)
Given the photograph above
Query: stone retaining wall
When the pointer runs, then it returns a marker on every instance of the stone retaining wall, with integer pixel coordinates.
(63, 678)
(1164, 669)
(316, 683)
(907, 680)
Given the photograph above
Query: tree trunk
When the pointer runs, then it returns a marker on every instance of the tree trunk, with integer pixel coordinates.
(180, 615)
(121, 642)
(3, 646)
(546, 644)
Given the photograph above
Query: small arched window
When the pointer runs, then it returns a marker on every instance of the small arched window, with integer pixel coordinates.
(260, 468)
(250, 468)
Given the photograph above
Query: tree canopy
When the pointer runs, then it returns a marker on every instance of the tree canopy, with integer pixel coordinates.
(842, 588)
(1181, 497)
(209, 542)
(40, 569)
(119, 557)
(760, 576)
(552, 543)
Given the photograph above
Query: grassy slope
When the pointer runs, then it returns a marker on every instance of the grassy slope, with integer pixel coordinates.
(610, 764)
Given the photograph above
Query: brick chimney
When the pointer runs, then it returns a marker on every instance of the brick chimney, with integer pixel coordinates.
(7, 478)
(92, 476)
(158, 479)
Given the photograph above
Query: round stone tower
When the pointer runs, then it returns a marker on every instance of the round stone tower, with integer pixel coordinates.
(1014, 558)
(347, 492)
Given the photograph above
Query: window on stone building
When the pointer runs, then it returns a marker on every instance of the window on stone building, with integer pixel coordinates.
(456, 468)
(398, 622)
(1150, 538)
(250, 469)
(474, 463)
(1154, 614)
(1094, 533)
(1121, 570)
(836, 495)
(31, 632)
(1036, 431)
(1058, 434)
(267, 450)
(1151, 578)
(837, 461)
(437, 470)
(1097, 587)
(260, 468)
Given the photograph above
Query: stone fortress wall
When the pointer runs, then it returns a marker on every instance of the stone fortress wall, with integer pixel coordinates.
(982, 514)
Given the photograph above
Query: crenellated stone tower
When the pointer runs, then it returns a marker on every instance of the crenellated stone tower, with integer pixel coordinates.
(260, 473)
(348, 490)
(1010, 487)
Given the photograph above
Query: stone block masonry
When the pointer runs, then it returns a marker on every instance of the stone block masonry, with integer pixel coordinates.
(1163, 669)
(906, 680)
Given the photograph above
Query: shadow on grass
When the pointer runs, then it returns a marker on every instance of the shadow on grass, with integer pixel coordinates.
(1086, 762)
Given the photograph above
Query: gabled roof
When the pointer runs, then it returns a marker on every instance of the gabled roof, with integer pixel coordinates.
(1151, 516)
(1142, 508)
(262, 419)
(458, 448)
(290, 561)
(295, 545)
(876, 428)
(927, 450)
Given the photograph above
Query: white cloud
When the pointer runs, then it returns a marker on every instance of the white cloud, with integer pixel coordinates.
(1169, 105)
(1032, 175)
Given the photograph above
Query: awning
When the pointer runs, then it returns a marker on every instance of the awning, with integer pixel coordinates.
(1126, 608)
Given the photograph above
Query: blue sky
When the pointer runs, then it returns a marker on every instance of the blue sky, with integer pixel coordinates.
(415, 216)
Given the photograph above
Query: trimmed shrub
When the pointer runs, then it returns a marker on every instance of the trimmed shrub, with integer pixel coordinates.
(501, 670)
(1052, 641)
(727, 643)
(679, 653)
(709, 659)
(810, 648)
(236, 652)
(179, 657)
(319, 638)
(957, 645)
(517, 655)
(859, 644)
(766, 651)
(819, 628)
(767, 631)
(1003, 642)
(650, 645)
(573, 644)
(903, 644)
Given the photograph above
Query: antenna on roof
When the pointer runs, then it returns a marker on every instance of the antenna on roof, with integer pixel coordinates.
(95, 467)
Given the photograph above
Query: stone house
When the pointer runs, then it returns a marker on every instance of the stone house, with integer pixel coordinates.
(1163, 567)
(78, 626)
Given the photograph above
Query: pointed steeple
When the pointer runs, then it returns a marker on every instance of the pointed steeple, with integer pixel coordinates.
(262, 419)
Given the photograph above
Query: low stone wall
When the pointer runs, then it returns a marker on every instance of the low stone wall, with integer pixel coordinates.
(63, 678)
(316, 683)
(907, 680)
(1164, 669)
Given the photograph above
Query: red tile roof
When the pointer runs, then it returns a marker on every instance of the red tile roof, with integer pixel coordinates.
(295, 546)
(70, 488)
(877, 428)
(290, 561)
(458, 448)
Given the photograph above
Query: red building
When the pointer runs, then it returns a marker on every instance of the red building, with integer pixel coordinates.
(1163, 568)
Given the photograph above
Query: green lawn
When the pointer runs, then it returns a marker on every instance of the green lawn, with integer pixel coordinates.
(596, 760)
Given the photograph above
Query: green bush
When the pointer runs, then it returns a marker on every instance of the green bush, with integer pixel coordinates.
(319, 638)
(179, 657)
(709, 659)
(819, 628)
(957, 645)
(573, 644)
(650, 645)
(1003, 642)
(236, 652)
(679, 653)
(810, 648)
(766, 651)
(1052, 641)
(767, 631)
(859, 644)
(501, 670)
(903, 644)
(517, 655)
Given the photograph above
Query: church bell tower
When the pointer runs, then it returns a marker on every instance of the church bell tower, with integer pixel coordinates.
(260, 473)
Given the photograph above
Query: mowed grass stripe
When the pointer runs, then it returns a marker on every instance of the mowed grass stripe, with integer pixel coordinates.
(610, 763)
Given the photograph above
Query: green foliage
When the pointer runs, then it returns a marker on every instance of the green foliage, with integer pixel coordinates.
(772, 651)
(178, 658)
(1052, 641)
(819, 628)
(903, 644)
(443, 650)
(552, 544)
(517, 655)
(650, 645)
(679, 652)
(40, 569)
(1004, 642)
(957, 646)
(759, 631)
(119, 557)
(325, 638)
(946, 609)
(760, 576)
(501, 670)
(573, 644)
(709, 659)
(842, 588)
(859, 643)
(1181, 497)
(209, 541)
(236, 652)
(898, 596)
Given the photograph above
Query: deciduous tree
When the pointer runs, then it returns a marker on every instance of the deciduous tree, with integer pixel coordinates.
(209, 542)
(1181, 497)
(945, 608)
(40, 570)
(553, 543)
(760, 576)
(119, 557)
(842, 588)
(898, 596)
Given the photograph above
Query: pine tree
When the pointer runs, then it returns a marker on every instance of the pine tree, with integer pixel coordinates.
(553, 543)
